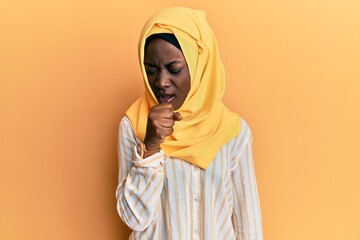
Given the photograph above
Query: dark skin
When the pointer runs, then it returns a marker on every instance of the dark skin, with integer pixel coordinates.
(169, 79)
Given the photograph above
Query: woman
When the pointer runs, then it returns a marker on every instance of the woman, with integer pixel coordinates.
(185, 160)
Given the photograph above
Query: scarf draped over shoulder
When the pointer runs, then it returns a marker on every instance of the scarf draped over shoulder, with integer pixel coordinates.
(207, 124)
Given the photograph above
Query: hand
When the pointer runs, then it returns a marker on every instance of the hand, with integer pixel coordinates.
(160, 124)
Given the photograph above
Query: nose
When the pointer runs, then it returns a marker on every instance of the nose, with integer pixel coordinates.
(162, 80)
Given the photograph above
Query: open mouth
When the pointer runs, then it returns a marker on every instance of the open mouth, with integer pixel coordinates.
(165, 98)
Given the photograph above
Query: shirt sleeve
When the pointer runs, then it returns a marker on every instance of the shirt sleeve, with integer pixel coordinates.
(246, 216)
(140, 181)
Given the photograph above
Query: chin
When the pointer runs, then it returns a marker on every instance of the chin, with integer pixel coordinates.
(175, 107)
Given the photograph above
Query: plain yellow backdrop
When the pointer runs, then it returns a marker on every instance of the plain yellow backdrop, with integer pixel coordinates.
(69, 71)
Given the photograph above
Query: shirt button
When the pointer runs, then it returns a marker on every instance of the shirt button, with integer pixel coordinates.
(195, 168)
(196, 231)
(196, 199)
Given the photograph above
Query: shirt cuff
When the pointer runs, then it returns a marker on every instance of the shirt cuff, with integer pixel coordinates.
(154, 161)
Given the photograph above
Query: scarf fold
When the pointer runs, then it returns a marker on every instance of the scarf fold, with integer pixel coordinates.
(207, 124)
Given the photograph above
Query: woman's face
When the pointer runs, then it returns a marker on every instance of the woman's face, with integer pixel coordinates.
(167, 72)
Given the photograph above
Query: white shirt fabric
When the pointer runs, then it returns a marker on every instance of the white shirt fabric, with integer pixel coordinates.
(161, 197)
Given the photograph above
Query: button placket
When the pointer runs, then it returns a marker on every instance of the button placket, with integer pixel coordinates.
(196, 189)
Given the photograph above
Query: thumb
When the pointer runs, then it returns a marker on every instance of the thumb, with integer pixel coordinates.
(177, 116)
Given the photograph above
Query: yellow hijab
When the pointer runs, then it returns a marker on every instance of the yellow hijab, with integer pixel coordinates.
(207, 124)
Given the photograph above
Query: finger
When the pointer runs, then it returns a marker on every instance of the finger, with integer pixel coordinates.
(177, 116)
(168, 132)
(164, 105)
(162, 113)
(167, 123)
(166, 114)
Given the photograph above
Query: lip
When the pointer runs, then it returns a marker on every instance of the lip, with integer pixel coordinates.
(162, 98)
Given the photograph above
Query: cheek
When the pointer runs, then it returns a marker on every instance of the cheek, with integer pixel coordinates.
(152, 86)
(186, 86)
(184, 90)
(151, 82)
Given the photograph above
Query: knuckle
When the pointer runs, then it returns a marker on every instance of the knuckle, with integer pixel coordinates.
(169, 113)
(152, 115)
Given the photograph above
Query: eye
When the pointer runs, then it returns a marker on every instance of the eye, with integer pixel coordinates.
(175, 70)
(151, 71)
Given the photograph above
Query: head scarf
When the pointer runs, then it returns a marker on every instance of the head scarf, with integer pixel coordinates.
(170, 38)
(207, 124)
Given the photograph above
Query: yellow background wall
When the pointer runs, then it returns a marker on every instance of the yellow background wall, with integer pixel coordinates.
(69, 71)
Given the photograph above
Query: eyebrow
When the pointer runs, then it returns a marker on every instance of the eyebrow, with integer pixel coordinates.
(166, 65)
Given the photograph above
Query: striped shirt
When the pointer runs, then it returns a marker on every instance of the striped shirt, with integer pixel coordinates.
(161, 197)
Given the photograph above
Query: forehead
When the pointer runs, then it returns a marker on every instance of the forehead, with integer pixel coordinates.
(159, 49)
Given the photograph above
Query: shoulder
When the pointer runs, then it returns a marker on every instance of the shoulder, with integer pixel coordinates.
(245, 132)
(125, 123)
(126, 129)
(238, 143)
(245, 129)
